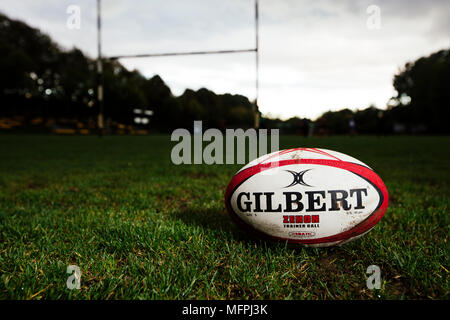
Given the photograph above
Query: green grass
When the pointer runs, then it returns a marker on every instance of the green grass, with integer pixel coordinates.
(140, 227)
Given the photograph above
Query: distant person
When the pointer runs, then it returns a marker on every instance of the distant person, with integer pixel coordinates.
(321, 127)
(311, 129)
(381, 120)
(352, 127)
(305, 125)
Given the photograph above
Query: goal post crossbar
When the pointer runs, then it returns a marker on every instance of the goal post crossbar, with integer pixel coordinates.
(188, 53)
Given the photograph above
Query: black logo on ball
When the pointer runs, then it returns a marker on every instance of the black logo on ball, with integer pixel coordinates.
(298, 178)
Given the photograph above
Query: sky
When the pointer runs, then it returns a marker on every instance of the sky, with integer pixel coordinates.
(315, 55)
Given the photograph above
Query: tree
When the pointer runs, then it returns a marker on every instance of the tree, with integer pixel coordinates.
(423, 88)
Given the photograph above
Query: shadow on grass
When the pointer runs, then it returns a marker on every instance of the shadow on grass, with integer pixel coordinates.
(213, 220)
(220, 223)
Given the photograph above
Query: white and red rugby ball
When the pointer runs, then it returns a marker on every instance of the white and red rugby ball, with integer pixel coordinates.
(309, 196)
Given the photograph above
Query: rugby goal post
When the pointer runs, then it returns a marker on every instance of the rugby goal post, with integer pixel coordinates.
(100, 100)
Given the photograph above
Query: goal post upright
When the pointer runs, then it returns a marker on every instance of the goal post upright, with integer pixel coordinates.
(256, 110)
(100, 101)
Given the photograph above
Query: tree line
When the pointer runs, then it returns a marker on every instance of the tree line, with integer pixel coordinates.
(39, 79)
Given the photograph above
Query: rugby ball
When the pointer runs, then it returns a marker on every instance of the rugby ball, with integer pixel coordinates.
(309, 196)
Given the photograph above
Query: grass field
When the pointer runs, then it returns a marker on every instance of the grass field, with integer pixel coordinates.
(140, 227)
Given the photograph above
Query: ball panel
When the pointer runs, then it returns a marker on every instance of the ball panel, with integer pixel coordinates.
(303, 153)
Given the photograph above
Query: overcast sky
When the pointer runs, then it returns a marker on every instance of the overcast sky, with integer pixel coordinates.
(315, 55)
